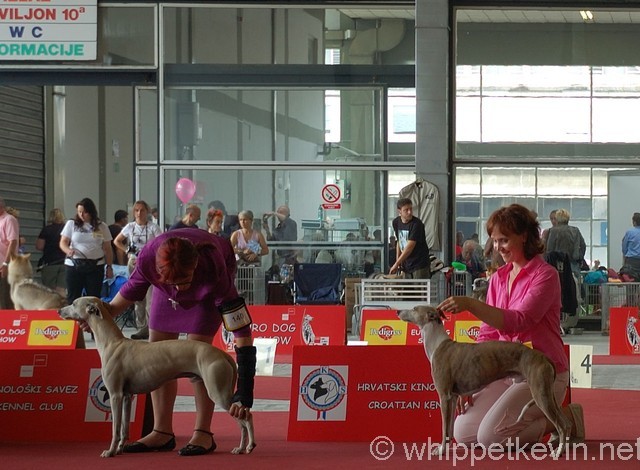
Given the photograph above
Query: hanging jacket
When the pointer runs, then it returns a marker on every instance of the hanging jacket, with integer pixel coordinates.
(562, 263)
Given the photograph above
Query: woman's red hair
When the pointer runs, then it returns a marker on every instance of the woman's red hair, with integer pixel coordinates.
(176, 259)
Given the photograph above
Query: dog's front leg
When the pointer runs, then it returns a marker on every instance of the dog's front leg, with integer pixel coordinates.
(126, 420)
(116, 417)
(247, 439)
(448, 409)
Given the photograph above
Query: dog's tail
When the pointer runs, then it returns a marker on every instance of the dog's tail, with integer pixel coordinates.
(524, 409)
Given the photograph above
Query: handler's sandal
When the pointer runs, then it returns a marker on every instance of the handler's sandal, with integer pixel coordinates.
(139, 447)
(192, 449)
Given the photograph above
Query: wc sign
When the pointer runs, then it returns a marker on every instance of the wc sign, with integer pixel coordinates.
(51, 30)
(331, 195)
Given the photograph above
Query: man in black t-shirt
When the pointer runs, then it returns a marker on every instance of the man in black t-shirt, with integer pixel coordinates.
(412, 250)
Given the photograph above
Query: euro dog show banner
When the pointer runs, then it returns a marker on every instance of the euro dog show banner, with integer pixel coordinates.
(356, 393)
(36, 329)
(624, 331)
(382, 327)
(292, 325)
(57, 395)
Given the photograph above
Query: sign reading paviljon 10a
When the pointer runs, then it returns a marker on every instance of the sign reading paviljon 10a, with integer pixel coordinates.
(53, 30)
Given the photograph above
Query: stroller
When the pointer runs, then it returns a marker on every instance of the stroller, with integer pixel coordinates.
(110, 287)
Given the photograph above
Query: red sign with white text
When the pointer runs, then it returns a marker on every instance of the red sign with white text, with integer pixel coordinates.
(57, 395)
(292, 325)
(36, 329)
(624, 331)
(356, 393)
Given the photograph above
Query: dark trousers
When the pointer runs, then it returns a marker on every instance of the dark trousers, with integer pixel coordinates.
(90, 283)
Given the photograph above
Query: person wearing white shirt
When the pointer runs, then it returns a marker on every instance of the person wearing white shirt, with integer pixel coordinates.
(133, 237)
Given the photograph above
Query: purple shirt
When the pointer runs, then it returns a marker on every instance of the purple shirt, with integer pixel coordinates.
(195, 309)
(531, 312)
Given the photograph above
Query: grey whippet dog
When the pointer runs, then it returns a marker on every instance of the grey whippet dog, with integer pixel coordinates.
(461, 369)
(130, 367)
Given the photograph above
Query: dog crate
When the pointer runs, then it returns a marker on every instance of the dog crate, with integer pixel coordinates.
(454, 282)
(392, 294)
(250, 283)
(618, 294)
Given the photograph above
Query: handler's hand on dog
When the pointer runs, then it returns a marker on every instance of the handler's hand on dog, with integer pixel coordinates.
(455, 304)
(238, 410)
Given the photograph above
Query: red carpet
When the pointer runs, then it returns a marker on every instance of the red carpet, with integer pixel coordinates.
(608, 416)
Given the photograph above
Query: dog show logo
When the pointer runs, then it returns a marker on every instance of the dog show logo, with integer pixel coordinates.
(633, 337)
(323, 393)
(98, 409)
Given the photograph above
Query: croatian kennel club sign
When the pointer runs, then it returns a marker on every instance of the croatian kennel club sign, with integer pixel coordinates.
(355, 393)
(53, 30)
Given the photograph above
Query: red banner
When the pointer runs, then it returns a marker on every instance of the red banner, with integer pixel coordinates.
(293, 325)
(356, 393)
(36, 329)
(57, 396)
(624, 331)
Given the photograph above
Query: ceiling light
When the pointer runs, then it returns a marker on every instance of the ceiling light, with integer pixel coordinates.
(586, 15)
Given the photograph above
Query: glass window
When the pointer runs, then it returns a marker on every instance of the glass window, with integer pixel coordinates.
(217, 34)
(259, 125)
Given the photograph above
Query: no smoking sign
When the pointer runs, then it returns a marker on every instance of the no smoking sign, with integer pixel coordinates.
(331, 195)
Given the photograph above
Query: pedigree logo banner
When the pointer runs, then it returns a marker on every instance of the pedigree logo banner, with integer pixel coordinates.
(467, 331)
(292, 325)
(57, 395)
(356, 393)
(36, 329)
(385, 332)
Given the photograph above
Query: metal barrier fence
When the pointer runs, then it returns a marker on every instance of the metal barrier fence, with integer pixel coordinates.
(250, 283)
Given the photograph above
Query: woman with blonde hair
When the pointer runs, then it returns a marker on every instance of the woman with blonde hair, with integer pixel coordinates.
(248, 244)
(51, 264)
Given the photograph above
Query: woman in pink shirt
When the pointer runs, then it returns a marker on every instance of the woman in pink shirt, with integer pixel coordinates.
(523, 305)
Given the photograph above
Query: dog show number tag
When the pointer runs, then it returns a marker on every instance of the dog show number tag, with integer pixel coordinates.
(235, 315)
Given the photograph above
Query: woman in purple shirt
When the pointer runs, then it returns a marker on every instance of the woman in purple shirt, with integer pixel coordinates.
(193, 273)
(523, 305)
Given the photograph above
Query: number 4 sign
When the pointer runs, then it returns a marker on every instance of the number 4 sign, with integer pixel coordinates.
(581, 365)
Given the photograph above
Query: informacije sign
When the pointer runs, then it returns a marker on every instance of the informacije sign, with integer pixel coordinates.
(53, 30)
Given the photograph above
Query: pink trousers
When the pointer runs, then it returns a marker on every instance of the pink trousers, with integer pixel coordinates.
(492, 418)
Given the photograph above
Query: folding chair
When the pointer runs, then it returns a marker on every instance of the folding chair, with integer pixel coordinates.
(317, 283)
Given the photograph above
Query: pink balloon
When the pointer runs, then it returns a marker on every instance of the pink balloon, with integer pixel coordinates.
(185, 189)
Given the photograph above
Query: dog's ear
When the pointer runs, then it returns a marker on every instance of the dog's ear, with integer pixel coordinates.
(93, 309)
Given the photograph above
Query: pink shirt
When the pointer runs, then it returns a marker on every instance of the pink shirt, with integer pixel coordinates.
(8, 232)
(531, 311)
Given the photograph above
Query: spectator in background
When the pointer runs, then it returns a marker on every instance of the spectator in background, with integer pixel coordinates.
(459, 242)
(86, 241)
(230, 223)
(133, 237)
(214, 223)
(190, 219)
(51, 264)
(552, 219)
(631, 248)
(9, 236)
(248, 244)
(286, 229)
(120, 219)
(469, 258)
(567, 239)
(412, 250)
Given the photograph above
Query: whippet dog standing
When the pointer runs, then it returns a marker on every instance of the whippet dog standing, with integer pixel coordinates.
(130, 366)
(461, 369)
